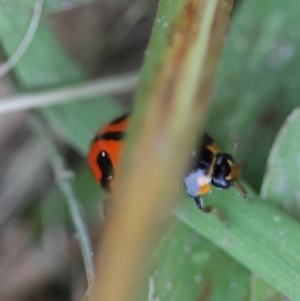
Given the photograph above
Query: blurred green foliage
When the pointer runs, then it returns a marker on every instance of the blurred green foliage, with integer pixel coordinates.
(257, 86)
(256, 89)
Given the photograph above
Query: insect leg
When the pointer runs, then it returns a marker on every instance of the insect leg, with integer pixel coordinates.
(206, 209)
(199, 203)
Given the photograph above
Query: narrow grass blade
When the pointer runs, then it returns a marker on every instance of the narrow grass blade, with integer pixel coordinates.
(259, 235)
(281, 182)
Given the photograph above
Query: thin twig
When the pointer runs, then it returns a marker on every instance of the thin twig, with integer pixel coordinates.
(95, 88)
(63, 179)
(7, 66)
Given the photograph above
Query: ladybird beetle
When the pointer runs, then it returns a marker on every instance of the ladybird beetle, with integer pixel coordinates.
(105, 152)
(209, 164)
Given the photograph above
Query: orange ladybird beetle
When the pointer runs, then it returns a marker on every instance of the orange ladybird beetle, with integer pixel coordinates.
(209, 164)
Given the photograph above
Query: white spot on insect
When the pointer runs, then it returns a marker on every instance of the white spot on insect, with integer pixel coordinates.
(202, 181)
(103, 154)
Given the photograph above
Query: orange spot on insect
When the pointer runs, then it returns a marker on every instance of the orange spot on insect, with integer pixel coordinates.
(204, 185)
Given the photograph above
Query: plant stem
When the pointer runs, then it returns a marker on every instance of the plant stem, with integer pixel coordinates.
(94, 88)
(13, 60)
(63, 178)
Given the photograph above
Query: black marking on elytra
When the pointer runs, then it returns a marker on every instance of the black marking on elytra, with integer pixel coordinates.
(119, 119)
(116, 136)
(106, 167)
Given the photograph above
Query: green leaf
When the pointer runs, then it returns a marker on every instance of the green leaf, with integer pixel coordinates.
(281, 182)
(262, 291)
(45, 64)
(53, 211)
(259, 236)
(188, 267)
(56, 5)
(78, 123)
